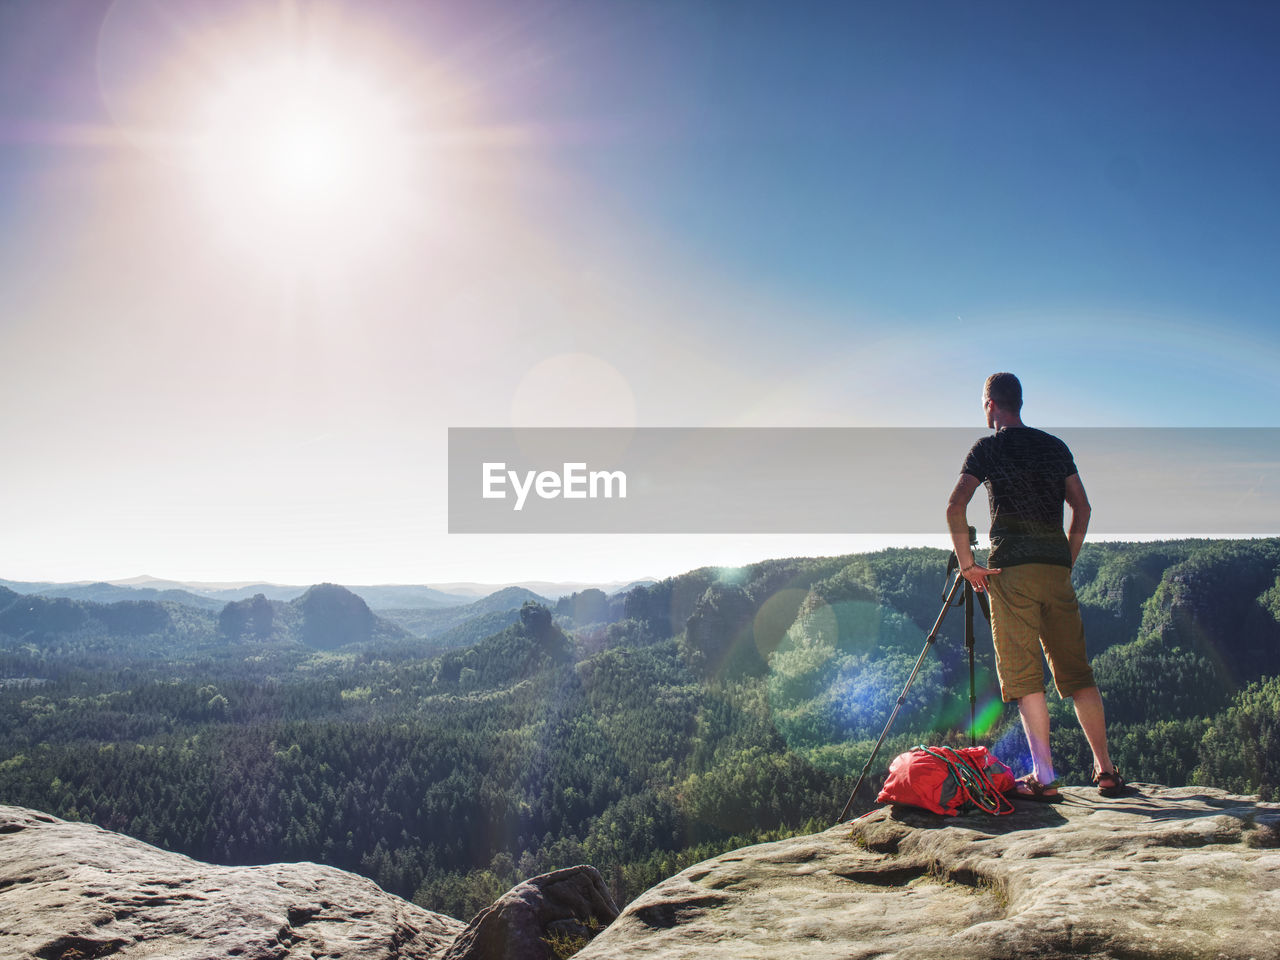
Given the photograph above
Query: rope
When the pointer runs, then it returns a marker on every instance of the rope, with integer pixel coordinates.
(976, 783)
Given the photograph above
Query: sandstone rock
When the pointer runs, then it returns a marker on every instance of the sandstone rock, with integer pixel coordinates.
(1187, 872)
(570, 906)
(71, 891)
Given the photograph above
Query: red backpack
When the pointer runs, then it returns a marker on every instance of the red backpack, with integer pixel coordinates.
(943, 779)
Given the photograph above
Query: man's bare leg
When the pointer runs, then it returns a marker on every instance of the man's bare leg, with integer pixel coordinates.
(1093, 721)
(1035, 724)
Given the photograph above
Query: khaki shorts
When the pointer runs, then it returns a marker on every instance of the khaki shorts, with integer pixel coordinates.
(1033, 607)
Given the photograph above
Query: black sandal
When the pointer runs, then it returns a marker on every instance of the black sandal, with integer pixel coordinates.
(1109, 783)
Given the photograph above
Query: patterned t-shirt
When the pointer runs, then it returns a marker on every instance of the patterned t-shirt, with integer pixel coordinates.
(1025, 472)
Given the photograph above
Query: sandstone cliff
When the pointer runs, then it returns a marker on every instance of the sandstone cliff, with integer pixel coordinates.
(72, 891)
(1167, 873)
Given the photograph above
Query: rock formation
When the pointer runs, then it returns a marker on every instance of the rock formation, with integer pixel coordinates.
(565, 909)
(71, 891)
(1188, 872)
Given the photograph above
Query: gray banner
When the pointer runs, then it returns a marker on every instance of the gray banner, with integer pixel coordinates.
(839, 480)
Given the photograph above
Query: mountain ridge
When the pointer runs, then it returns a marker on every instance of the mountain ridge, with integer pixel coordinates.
(378, 596)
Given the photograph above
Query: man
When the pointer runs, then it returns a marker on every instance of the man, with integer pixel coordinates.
(1029, 474)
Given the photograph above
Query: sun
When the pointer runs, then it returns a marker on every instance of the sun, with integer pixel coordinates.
(299, 141)
(297, 147)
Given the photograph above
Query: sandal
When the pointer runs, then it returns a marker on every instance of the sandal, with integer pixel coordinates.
(1109, 783)
(1035, 790)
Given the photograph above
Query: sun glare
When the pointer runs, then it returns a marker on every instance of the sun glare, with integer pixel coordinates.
(316, 141)
(298, 148)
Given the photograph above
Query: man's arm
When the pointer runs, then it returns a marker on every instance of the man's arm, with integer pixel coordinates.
(1080, 510)
(958, 524)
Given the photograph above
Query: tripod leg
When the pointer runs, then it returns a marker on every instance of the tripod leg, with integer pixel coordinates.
(902, 697)
(969, 642)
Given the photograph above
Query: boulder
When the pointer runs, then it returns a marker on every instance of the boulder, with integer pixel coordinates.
(1161, 872)
(547, 917)
(72, 891)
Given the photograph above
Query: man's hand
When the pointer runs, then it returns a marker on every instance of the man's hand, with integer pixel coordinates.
(977, 576)
(958, 524)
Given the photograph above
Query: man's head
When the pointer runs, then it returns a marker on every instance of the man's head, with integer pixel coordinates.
(1004, 391)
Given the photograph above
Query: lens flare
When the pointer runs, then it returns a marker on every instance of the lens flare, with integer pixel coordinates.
(989, 716)
(836, 673)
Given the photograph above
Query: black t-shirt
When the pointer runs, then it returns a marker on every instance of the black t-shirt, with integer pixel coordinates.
(1025, 472)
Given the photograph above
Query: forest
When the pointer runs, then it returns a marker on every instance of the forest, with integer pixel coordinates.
(639, 732)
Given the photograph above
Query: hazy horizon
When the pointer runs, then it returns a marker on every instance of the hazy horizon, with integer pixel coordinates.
(937, 543)
(724, 557)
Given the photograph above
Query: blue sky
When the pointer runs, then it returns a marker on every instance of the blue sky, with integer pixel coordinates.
(591, 213)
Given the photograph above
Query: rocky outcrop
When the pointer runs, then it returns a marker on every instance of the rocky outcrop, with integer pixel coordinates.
(72, 891)
(1160, 873)
(330, 616)
(540, 919)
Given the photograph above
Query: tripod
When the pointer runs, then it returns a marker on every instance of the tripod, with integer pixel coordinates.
(949, 600)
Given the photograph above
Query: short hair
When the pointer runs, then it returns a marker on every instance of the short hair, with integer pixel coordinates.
(1004, 390)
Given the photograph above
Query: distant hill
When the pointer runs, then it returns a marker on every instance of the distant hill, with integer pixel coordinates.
(325, 617)
(591, 606)
(62, 626)
(207, 595)
(385, 597)
(377, 597)
(530, 644)
(37, 617)
(471, 631)
(272, 591)
(219, 592)
(552, 590)
(628, 587)
(37, 586)
(111, 593)
(432, 623)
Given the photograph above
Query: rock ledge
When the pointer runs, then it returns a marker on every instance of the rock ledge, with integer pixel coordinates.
(1160, 873)
(73, 891)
